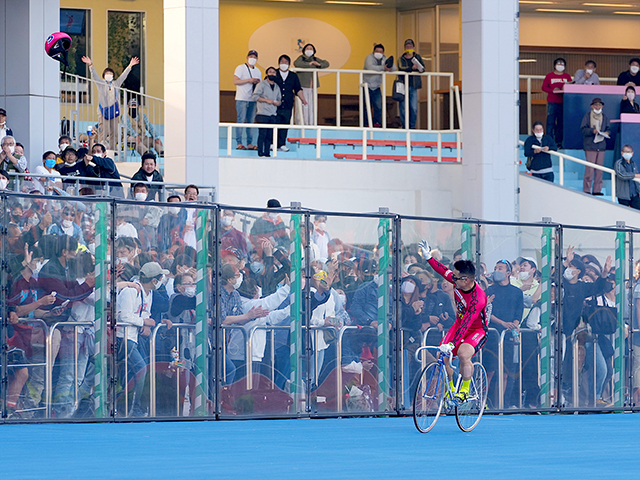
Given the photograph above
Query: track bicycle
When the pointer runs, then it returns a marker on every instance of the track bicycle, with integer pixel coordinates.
(433, 394)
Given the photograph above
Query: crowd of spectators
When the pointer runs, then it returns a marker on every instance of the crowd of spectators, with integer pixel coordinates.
(253, 96)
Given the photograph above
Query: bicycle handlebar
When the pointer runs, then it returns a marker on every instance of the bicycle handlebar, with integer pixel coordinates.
(419, 350)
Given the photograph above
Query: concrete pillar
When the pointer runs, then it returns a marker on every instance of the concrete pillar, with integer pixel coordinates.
(29, 79)
(191, 91)
(490, 114)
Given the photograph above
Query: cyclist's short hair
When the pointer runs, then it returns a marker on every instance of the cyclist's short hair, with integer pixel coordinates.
(465, 267)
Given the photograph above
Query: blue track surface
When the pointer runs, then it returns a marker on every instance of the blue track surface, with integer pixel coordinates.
(514, 446)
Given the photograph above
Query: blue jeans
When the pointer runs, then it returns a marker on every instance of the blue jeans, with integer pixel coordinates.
(376, 105)
(413, 108)
(549, 177)
(554, 121)
(136, 371)
(246, 114)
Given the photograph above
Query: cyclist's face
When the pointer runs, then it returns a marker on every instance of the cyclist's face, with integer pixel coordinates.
(463, 281)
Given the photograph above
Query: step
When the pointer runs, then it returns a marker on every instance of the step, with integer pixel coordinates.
(381, 143)
(395, 158)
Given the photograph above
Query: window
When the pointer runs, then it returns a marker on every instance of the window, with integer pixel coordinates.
(126, 37)
(74, 22)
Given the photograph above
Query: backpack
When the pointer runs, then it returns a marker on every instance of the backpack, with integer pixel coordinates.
(602, 319)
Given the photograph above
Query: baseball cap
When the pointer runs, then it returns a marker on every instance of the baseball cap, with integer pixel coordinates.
(152, 269)
(519, 261)
(252, 52)
(3, 112)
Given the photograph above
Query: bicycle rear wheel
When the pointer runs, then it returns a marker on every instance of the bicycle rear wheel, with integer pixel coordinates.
(428, 397)
(468, 414)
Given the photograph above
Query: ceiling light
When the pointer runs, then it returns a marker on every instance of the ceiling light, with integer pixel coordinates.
(344, 2)
(527, 60)
(537, 2)
(627, 13)
(561, 10)
(612, 5)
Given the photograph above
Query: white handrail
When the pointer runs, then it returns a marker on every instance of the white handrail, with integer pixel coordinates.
(316, 72)
(528, 78)
(363, 130)
(563, 156)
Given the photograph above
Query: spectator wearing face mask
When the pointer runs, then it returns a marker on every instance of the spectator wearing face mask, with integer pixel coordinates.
(63, 142)
(627, 189)
(308, 59)
(10, 159)
(628, 103)
(101, 166)
(74, 166)
(595, 130)
(536, 148)
(271, 227)
(246, 77)
(587, 75)
(4, 179)
(378, 62)
(231, 237)
(631, 77)
(170, 226)
(44, 184)
(268, 97)
(138, 126)
(553, 85)
(289, 84)
(148, 173)
(108, 108)
(65, 225)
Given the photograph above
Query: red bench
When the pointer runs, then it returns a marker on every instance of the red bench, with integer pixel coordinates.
(381, 143)
(395, 158)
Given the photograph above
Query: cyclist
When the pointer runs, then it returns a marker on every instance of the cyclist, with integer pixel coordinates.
(469, 332)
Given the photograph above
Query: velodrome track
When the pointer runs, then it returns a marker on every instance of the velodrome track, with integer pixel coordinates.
(599, 446)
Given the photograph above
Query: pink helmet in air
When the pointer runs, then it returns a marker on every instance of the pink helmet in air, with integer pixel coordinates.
(57, 46)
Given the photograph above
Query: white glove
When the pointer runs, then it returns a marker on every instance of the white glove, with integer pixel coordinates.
(447, 348)
(425, 249)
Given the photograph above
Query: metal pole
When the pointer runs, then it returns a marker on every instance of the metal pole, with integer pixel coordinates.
(451, 119)
(406, 101)
(501, 371)
(364, 144)
(360, 106)
(429, 106)
(383, 91)
(529, 123)
(338, 119)
(315, 97)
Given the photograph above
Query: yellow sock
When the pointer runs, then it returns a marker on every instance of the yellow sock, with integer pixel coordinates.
(465, 386)
(453, 387)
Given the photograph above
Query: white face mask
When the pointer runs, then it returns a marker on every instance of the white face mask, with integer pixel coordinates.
(238, 282)
(378, 55)
(37, 268)
(570, 274)
(226, 221)
(174, 210)
(12, 149)
(3, 183)
(589, 71)
(627, 155)
(252, 61)
(560, 68)
(633, 69)
(539, 135)
(308, 53)
(322, 226)
(67, 223)
(597, 111)
(108, 77)
(122, 260)
(284, 67)
(190, 292)
(524, 275)
(631, 95)
(63, 146)
(141, 197)
(408, 287)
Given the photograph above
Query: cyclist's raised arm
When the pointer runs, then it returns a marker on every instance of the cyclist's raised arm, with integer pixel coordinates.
(442, 270)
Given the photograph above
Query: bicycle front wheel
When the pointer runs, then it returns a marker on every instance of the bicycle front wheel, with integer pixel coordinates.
(429, 395)
(468, 414)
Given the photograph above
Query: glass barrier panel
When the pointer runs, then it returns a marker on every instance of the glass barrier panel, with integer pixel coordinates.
(593, 325)
(163, 276)
(260, 284)
(57, 304)
(350, 327)
(520, 348)
(427, 312)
